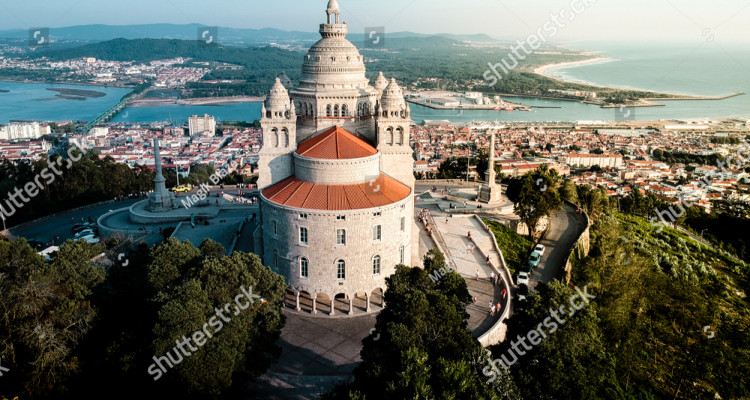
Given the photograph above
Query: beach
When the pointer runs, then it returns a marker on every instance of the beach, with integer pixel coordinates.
(542, 70)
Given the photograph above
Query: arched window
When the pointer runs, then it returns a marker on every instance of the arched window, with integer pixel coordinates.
(400, 136)
(340, 269)
(376, 265)
(336, 110)
(389, 136)
(286, 137)
(303, 264)
(275, 136)
(328, 111)
(344, 110)
(401, 254)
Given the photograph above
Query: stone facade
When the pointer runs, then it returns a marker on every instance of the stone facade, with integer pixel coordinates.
(334, 92)
(284, 250)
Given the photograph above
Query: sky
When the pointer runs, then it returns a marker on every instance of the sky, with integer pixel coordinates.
(584, 20)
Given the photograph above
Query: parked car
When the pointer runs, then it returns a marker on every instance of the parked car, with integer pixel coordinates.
(83, 227)
(534, 259)
(539, 249)
(522, 293)
(182, 189)
(526, 267)
(522, 278)
(90, 239)
(83, 233)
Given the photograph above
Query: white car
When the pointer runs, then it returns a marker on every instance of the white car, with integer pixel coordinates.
(539, 249)
(83, 233)
(522, 279)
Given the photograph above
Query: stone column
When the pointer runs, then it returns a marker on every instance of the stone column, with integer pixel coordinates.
(333, 306)
(351, 299)
(315, 301)
(298, 307)
(367, 300)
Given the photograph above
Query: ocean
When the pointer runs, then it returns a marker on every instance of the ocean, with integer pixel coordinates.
(705, 68)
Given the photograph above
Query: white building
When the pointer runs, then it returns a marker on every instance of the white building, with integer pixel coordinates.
(335, 176)
(32, 130)
(588, 160)
(204, 124)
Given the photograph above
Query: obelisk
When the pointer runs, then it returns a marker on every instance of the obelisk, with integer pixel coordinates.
(161, 199)
(490, 192)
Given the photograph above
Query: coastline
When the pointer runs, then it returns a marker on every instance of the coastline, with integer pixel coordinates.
(544, 69)
(207, 101)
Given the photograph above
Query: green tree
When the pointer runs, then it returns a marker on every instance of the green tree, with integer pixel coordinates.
(46, 312)
(569, 191)
(538, 197)
(424, 350)
(245, 346)
(571, 362)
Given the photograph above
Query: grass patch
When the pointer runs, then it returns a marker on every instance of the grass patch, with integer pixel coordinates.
(514, 246)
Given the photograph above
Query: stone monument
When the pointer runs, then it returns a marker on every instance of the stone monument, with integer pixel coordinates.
(161, 199)
(490, 192)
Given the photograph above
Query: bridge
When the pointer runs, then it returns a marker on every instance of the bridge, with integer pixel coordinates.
(115, 109)
(110, 113)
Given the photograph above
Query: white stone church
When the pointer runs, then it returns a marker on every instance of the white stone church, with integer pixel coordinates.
(336, 181)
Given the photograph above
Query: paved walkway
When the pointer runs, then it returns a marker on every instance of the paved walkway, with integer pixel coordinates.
(453, 231)
(316, 354)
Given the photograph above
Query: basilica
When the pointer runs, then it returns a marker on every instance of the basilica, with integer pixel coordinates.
(335, 177)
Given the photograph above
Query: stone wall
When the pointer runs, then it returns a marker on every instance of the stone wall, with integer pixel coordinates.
(580, 248)
(336, 172)
(323, 252)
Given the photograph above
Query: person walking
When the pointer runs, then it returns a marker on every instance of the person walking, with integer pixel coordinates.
(504, 292)
(492, 310)
(492, 276)
(477, 274)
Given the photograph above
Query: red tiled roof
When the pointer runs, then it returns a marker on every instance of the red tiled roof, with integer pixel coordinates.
(335, 144)
(295, 193)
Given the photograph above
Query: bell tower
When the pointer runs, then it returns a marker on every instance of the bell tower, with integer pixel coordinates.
(392, 123)
(279, 124)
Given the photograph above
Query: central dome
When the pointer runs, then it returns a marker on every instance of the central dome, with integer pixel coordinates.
(333, 62)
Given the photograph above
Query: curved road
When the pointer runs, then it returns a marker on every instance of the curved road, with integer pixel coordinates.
(565, 227)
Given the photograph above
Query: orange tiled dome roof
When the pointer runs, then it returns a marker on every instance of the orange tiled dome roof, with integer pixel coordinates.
(335, 144)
